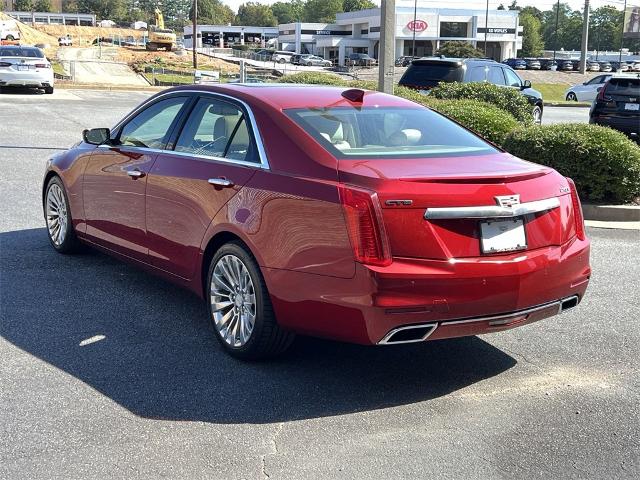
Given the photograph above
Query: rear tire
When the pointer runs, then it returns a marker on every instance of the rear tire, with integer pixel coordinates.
(57, 215)
(572, 97)
(240, 307)
(10, 38)
(282, 60)
(48, 90)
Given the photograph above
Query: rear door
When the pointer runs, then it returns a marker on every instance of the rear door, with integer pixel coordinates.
(215, 154)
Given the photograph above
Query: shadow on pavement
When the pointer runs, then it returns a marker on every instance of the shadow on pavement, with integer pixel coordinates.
(21, 91)
(159, 358)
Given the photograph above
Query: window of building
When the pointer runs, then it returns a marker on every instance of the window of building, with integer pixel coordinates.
(453, 29)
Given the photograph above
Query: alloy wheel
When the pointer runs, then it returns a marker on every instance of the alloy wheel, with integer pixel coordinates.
(233, 300)
(57, 216)
(571, 97)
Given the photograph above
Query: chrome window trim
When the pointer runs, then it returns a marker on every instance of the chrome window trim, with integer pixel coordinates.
(492, 211)
(262, 154)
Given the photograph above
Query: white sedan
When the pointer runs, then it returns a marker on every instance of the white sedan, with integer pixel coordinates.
(22, 66)
(587, 91)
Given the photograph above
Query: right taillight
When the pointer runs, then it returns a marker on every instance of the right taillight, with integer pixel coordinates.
(577, 210)
(363, 216)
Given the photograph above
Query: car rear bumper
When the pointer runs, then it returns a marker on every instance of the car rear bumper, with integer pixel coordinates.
(626, 124)
(459, 297)
(26, 79)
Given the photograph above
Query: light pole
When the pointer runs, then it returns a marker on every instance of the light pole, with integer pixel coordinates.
(624, 11)
(194, 34)
(486, 28)
(555, 37)
(415, 17)
(387, 45)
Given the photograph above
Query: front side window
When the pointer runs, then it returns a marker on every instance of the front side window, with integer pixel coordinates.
(150, 128)
(217, 129)
(387, 133)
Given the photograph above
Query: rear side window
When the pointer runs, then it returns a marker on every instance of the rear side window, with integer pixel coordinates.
(624, 86)
(217, 129)
(477, 74)
(21, 52)
(430, 74)
(387, 132)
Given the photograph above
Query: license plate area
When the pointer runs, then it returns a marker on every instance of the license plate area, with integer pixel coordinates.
(23, 67)
(632, 106)
(502, 235)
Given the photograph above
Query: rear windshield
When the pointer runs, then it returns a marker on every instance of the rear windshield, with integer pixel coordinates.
(624, 86)
(387, 132)
(21, 52)
(429, 75)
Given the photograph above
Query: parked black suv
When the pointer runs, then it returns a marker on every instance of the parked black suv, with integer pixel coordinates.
(425, 73)
(618, 105)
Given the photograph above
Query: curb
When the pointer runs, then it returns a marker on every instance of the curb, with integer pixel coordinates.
(611, 213)
(108, 88)
(613, 225)
(567, 105)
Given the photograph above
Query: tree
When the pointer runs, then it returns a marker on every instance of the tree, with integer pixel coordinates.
(213, 12)
(459, 50)
(32, 5)
(322, 10)
(256, 14)
(288, 12)
(355, 5)
(103, 9)
(604, 28)
(532, 44)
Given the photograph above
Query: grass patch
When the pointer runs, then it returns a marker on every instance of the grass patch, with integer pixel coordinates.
(552, 92)
(57, 68)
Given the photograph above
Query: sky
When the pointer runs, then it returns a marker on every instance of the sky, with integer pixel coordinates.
(541, 4)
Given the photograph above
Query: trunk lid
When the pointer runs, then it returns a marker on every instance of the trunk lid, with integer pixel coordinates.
(472, 181)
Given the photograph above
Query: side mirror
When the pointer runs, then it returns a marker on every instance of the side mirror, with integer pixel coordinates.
(526, 84)
(96, 136)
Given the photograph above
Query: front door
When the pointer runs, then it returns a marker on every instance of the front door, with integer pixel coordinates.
(115, 179)
(214, 156)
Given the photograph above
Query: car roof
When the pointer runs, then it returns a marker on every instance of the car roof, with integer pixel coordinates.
(283, 96)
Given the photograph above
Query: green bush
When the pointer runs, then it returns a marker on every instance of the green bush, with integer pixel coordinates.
(604, 163)
(486, 120)
(314, 78)
(505, 98)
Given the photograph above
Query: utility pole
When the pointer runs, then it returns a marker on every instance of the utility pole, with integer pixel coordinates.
(387, 46)
(486, 27)
(555, 37)
(585, 38)
(194, 34)
(624, 11)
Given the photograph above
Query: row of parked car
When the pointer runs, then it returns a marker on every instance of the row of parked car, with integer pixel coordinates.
(571, 65)
(307, 59)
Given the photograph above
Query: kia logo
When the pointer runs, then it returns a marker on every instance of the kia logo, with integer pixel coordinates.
(417, 25)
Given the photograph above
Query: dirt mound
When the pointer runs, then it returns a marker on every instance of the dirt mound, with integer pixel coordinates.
(83, 36)
(32, 36)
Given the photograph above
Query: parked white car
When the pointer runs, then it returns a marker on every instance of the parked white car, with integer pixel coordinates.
(9, 30)
(22, 66)
(282, 56)
(587, 91)
(65, 41)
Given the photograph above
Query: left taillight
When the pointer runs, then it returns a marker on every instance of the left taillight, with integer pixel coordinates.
(363, 216)
(577, 210)
(5, 64)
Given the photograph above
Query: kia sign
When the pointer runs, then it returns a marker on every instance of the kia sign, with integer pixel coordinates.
(417, 25)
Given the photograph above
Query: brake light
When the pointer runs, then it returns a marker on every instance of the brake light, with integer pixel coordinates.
(363, 216)
(577, 210)
(601, 93)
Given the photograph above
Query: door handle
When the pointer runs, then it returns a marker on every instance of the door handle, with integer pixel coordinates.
(220, 182)
(135, 174)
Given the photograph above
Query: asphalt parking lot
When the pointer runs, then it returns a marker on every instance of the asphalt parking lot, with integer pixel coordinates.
(108, 372)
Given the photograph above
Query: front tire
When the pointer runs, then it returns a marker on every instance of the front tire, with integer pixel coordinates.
(57, 214)
(572, 97)
(48, 90)
(240, 307)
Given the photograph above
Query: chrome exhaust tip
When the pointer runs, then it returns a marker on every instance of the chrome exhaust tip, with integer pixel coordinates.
(569, 302)
(409, 334)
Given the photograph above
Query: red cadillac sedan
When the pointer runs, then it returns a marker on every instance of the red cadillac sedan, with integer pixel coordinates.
(340, 213)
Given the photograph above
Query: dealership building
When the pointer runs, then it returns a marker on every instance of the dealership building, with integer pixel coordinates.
(359, 32)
